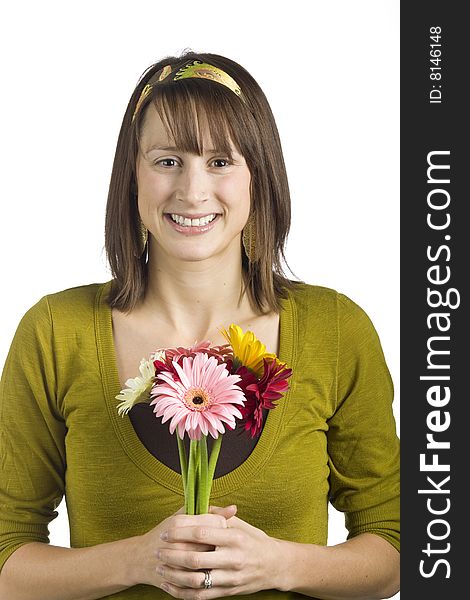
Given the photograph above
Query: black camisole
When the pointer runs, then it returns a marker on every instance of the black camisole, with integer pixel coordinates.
(237, 444)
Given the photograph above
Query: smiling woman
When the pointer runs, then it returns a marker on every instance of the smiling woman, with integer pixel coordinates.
(197, 217)
(195, 207)
(169, 110)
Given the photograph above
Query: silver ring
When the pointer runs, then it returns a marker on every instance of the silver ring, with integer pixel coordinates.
(207, 579)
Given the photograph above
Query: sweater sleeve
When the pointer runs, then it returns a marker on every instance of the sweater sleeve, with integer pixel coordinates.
(363, 446)
(32, 436)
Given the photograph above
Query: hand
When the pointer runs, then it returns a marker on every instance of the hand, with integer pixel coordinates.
(242, 559)
(145, 560)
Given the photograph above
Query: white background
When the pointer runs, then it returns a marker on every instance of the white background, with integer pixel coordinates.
(331, 73)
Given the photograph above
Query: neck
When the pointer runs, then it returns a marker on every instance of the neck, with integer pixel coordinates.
(196, 298)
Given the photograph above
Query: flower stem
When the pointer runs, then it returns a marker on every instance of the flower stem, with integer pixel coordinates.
(183, 464)
(213, 461)
(212, 464)
(207, 472)
(192, 476)
(205, 487)
(197, 486)
(198, 473)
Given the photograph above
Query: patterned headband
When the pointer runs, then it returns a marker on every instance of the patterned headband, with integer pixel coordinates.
(196, 69)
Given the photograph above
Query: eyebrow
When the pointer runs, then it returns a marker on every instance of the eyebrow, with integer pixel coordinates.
(165, 148)
(175, 149)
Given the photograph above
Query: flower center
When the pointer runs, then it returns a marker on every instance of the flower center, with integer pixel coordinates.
(197, 399)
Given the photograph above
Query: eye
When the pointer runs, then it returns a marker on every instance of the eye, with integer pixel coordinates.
(165, 162)
(221, 160)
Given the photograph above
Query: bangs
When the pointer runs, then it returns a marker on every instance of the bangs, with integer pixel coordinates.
(194, 107)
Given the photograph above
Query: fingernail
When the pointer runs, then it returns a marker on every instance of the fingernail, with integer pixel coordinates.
(164, 535)
(160, 570)
(159, 555)
(164, 587)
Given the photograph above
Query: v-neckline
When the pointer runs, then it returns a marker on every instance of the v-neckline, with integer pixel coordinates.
(130, 441)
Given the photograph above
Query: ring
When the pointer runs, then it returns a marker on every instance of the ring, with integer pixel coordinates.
(207, 579)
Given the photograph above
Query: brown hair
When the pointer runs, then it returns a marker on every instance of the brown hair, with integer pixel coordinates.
(250, 125)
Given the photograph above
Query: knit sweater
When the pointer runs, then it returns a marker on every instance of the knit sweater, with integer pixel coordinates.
(332, 437)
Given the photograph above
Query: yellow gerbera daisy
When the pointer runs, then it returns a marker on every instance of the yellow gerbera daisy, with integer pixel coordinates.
(247, 349)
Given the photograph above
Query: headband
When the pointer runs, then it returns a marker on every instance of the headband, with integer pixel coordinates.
(196, 69)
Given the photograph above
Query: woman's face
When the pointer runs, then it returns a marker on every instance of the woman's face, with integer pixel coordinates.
(194, 207)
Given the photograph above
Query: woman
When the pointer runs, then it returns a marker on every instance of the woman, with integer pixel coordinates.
(197, 217)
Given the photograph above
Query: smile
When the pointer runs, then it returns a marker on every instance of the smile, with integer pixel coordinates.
(186, 222)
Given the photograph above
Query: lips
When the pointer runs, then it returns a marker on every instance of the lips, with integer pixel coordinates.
(191, 224)
(193, 221)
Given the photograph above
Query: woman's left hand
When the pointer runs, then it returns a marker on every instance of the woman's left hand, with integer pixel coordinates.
(244, 560)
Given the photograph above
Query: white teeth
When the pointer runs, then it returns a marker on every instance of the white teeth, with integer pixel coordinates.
(185, 222)
(206, 220)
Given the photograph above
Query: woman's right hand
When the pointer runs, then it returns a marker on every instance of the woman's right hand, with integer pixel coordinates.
(145, 561)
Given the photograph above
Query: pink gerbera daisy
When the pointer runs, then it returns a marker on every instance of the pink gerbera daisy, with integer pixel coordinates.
(163, 359)
(200, 399)
(220, 352)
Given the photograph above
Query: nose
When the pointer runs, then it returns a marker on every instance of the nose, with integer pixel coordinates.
(194, 184)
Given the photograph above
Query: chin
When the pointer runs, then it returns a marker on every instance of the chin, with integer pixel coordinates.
(201, 251)
(194, 256)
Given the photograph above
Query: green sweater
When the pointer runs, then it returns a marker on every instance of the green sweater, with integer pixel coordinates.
(331, 438)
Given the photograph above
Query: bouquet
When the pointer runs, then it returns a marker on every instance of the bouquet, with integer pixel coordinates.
(203, 389)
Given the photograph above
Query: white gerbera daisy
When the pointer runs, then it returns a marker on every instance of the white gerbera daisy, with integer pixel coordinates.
(138, 389)
(158, 355)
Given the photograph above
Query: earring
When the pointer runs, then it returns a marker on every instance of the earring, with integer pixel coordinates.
(249, 238)
(143, 231)
(144, 234)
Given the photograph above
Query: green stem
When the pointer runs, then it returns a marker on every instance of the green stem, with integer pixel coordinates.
(192, 474)
(212, 464)
(198, 475)
(205, 488)
(183, 464)
(214, 456)
(197, 490)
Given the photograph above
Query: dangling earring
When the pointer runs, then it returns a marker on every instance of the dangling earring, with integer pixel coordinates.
(249, 238)
(143, 231)
(144, 234)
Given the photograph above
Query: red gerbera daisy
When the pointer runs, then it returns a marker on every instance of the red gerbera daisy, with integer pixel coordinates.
(261, 394)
